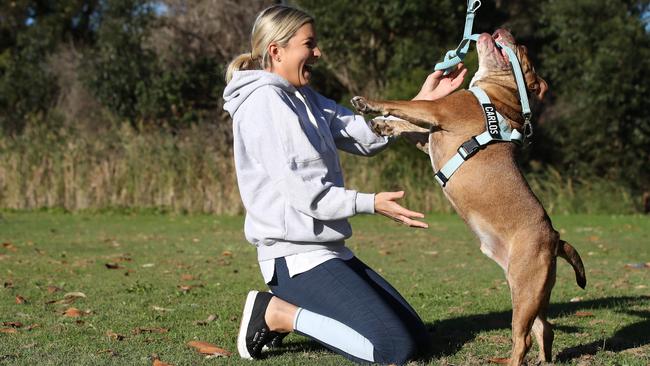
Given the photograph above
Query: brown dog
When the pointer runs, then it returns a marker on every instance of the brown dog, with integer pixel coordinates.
(489, 191)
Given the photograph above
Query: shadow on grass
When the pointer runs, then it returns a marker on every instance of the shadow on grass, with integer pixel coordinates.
(449, 335)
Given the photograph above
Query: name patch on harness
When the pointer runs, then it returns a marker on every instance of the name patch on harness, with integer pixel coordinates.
(491, 120)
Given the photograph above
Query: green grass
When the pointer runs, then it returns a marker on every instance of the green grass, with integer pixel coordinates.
(457, 291)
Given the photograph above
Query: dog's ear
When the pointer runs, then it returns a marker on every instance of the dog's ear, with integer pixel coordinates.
(541, 89)
(534, 83)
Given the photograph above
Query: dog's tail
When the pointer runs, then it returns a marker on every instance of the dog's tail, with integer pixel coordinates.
(570, 254)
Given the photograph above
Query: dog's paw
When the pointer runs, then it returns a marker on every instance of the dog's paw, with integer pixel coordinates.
(362, 105)
(382, 127)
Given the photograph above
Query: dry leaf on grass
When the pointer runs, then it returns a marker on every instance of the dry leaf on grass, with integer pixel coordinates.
(30, 327)
(209, 349)
(8, 284)
(68, 298)
(52, 289)
(9, 247)
(75, 313)
(226, 253)
(210, 319)
(158, 308)
(499, 360)
(20, 300)
(113, 266)
(115, 336)
(157, 362)
(187, 277)
(140, 330)
(12, 324)
(8, 330)
(584, 314)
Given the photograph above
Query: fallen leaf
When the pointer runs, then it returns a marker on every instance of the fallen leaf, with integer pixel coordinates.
(209, 349)
(75, 313)
(635, 265)
(8, 284)
(148, 265)
(185, 288)
(52, 289)
(157, 362)
(30, 327)
(187, 277)
(8, 330)
(114, 336)
(584, 313)
(74, 295)
(158, 308)
(123, 258)
(639, 287)
(20, 300)
(9, 247)
(384, 252)
(109, 351)
(210, 319)
(140, 330)
(576, 299)
(12, 324)
(499, 360)
(113, 266)
(226, 253)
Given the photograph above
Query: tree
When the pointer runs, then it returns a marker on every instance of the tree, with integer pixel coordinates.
(597, 59)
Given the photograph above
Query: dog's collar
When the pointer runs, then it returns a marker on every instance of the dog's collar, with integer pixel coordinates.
(497, 128)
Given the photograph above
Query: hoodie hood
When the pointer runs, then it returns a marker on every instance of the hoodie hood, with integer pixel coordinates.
(244, 83)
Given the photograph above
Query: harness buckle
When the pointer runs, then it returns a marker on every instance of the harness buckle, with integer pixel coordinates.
(469, 148)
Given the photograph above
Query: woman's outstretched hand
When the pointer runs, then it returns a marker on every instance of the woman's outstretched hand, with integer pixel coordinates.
(438, 85)
(385, 204)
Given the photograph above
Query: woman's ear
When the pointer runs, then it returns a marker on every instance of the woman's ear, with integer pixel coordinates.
(274, 52)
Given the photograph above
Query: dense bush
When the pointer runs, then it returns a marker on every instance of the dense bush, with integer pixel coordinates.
(92, 66)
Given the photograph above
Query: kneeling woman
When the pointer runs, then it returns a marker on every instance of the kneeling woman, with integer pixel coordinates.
(286, 137)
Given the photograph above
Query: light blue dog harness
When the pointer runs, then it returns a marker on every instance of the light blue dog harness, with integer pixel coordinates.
(496, 127)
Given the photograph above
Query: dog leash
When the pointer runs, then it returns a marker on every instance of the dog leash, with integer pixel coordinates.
(454, 57)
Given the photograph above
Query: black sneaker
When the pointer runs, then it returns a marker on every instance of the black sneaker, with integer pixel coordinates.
(276, 340)
(253, 331)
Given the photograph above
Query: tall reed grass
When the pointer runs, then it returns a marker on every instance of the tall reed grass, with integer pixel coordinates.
(193, 171)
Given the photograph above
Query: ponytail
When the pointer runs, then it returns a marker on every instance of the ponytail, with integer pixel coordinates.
(242, 62)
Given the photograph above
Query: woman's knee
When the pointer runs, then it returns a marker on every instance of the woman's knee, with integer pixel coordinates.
(396, 348)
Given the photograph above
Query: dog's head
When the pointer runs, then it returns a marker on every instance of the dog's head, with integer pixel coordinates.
(494, 62)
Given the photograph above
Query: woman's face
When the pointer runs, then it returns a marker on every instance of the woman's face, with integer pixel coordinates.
(294, 62)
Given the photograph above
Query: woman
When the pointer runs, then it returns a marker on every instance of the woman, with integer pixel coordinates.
(286, 138)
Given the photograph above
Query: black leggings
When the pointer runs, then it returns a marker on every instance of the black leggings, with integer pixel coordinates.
(355, 295)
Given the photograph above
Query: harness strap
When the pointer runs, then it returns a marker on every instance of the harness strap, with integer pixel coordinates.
(496, 129)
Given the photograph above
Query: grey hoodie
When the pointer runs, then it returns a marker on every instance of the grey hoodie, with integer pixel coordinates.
(288, 170)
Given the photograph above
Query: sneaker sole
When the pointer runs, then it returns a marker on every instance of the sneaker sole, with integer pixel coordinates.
(243, 326)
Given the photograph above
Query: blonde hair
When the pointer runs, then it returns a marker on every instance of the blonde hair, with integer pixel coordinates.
(278, 24)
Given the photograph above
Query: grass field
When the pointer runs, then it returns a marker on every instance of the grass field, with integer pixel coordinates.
(148, 279)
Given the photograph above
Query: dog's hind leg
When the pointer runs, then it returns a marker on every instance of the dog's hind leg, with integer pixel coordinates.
(530, 283)
(542, 329)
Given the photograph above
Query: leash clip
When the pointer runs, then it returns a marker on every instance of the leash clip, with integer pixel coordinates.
(472, 8)
(528, 129)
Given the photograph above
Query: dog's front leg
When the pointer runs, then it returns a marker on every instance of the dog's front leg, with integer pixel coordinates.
(418, 112)
(415, 135)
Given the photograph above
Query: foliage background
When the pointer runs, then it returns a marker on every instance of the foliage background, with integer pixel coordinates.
(117, 103)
